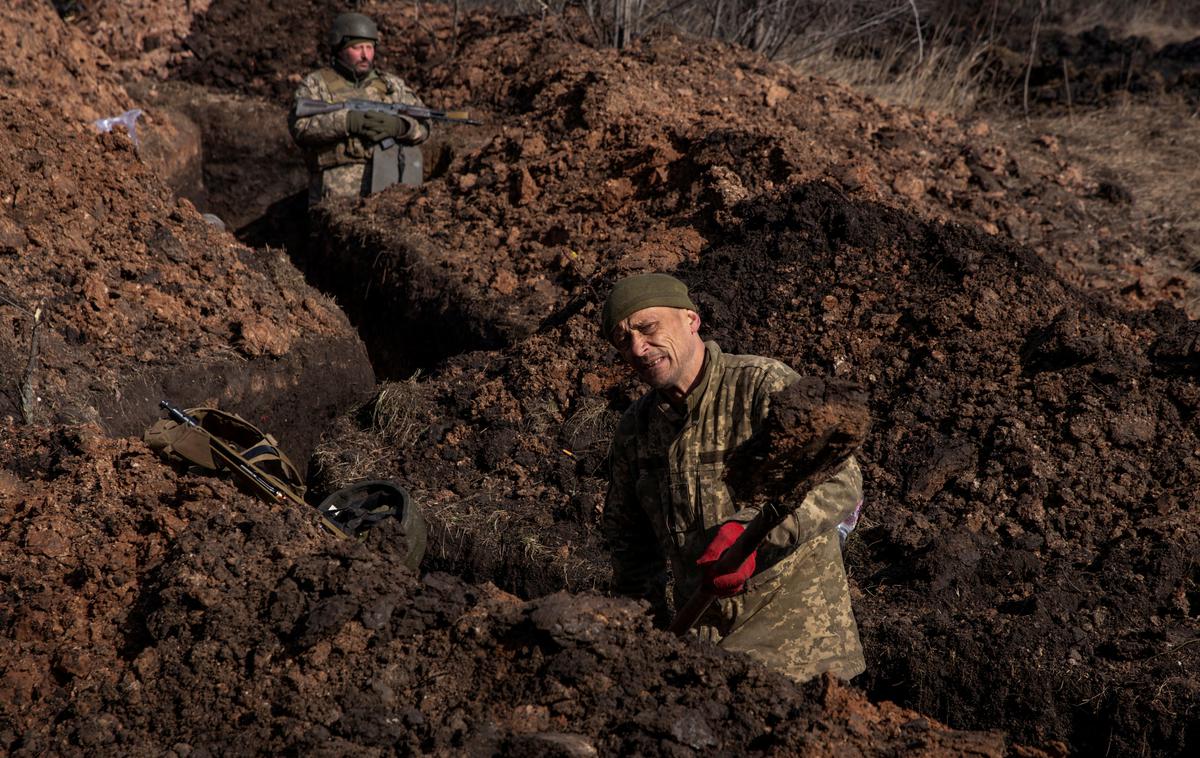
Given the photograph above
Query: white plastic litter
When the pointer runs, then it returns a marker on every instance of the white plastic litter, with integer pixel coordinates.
(128, 119)
(848, 525)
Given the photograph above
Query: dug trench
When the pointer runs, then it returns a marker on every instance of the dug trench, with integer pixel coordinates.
(1023, 563)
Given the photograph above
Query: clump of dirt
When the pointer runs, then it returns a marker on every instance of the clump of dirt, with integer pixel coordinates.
(43, 55)
(811, 429)
(141, 37)
(152, 613)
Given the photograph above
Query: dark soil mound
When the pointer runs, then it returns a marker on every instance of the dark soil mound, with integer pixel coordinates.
(1095, 68)
(1027, 479)
(149, 614)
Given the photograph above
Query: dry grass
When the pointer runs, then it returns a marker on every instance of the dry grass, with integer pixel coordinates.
(589, 427)
(1150, 148)
(398, 412)
(469, 525)
(947, 78)
(397, 418)
(351, 457)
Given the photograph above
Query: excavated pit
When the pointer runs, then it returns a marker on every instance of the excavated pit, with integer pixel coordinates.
(1024, 559)
(1004, 398)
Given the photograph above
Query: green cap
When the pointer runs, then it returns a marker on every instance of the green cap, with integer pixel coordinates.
(634, 293)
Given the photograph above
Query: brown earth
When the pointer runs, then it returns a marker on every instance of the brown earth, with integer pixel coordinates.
(147, 613)
(1025, 560)
(137, 297)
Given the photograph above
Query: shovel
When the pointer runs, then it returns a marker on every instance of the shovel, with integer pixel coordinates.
(812, 428)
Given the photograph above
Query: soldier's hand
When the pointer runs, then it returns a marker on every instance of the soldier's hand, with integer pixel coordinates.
(354, 122)
(377, 126)
(730, 584)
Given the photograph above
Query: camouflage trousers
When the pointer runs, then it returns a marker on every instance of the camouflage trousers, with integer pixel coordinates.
(799, 623)
(348, 180)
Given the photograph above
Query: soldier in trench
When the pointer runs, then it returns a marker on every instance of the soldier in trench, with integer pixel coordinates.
(788, 605)
(342, 149)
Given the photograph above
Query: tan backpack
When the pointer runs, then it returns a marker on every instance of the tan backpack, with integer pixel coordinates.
(182, 443)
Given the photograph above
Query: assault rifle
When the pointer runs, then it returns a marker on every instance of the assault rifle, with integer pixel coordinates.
(315, 107)
(263, 485)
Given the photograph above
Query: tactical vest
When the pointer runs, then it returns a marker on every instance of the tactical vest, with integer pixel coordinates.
(352, 149)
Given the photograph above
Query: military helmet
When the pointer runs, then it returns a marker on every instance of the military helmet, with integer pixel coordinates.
(355, 509)
(351, 26)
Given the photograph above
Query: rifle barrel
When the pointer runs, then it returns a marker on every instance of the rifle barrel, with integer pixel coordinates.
(316, 107)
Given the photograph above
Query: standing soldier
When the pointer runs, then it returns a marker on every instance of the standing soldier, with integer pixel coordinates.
(342, 148)
(789, 604)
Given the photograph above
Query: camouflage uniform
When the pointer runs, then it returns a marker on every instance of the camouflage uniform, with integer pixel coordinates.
(666, 498)
(338, 162)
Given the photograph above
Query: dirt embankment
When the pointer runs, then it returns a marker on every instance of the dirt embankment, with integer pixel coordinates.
(148, 613)
(1027, 481)
(140, 298)
(1024, 562)
(595, 162)
(116, 294)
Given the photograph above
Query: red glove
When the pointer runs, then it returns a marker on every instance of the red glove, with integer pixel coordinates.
(725, 585)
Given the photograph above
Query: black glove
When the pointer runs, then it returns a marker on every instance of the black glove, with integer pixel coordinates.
(377, 126)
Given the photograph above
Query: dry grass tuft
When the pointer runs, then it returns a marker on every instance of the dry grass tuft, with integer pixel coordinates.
(398, 411)
(351, 457)
(395, 418)
(947, 78)
(589, 427)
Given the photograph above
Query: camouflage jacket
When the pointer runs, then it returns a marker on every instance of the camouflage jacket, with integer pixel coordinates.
(325, 138)
(666, 499)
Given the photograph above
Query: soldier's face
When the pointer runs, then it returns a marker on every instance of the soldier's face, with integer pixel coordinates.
(358, 58)
(663, 346)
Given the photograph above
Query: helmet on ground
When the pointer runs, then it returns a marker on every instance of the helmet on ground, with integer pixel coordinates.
(355, 509)
(348, 26)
